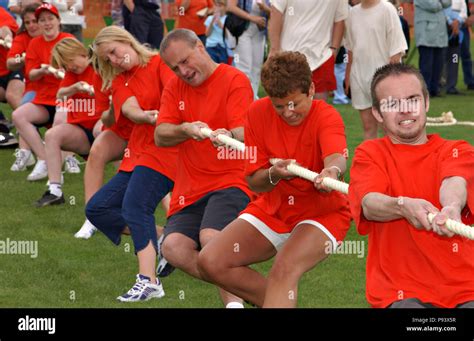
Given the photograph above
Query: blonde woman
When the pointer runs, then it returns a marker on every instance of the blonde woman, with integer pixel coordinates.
(76, 97)
(128, 201)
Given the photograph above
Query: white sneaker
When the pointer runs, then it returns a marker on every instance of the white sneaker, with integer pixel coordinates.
(40, 171)
(24, 159)
(143, 290)
(71, 165)
(86, 231)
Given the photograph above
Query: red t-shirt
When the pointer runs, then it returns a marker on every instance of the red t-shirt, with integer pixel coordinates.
(19, 45)
(6, 20)
(39, 52)
(405, 262)
(81, 107)
(146, 84)
(222, 101)
(190, 19)
(291, 201)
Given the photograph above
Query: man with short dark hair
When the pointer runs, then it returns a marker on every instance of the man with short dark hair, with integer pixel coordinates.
(396, 181)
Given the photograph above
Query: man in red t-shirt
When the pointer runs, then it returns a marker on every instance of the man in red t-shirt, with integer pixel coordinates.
(294, 219)
(210, 189)
(396, 181)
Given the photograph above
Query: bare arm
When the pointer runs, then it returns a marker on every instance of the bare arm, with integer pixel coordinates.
(168, 134)
(397, 58)
(259, 182)
(337, 35)
(233, 8)
(131, 109)
(274, 30)
(15, 63)
(129, 4)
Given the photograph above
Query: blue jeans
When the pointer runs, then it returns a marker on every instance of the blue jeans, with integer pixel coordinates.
(129, 199)
(466, 57)
(339, 95)
(218, 54)
(431, 64)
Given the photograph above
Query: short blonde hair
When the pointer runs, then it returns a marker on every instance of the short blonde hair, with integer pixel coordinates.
(116, 34)
(65, 50)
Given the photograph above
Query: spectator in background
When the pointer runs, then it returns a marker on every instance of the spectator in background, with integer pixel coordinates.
(192, 15)
(71, 21)
(374, 38)
(215, 43)
(456, 15)
(340, 71)
(17, 6)
(466, 50)
(143, 20)
(250, 49)
(403, 21)
(431, 37)
(313, 28)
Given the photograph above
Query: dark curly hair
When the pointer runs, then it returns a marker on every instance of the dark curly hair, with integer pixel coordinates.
(285, 73)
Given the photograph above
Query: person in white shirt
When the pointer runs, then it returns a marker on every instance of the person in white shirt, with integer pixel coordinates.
(374, 38)
(314, 28)
(71, 21)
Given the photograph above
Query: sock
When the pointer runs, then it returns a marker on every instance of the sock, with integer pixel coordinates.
(55, 189)
(234, 305)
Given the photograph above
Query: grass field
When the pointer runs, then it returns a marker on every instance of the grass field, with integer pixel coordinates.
(76, 273)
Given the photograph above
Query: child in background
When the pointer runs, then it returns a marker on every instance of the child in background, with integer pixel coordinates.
(215, 44)
(374, 39)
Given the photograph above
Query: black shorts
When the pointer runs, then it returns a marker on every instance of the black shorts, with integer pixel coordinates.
(90, 138)
(51, 112)
(215, 210)
(4, 80)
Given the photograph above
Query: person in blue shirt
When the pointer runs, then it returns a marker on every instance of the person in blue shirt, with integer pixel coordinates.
(215, 44)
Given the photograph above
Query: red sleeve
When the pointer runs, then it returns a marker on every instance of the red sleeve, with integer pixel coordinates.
(238, 102)
(102, 102)
(366, 176)
(253, 129)
(18, 47)
(169, 107)
(69, 79)
(458, 160)
(210, 4)
(33, 60)
(120, 93)
(7, 20)
(332, 137)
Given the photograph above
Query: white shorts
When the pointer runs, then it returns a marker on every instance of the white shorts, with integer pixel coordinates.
(279, 239)
(360, 95)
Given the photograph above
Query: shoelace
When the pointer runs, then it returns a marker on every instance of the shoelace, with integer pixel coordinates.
(19, 157)
(72, 162)
(138, 287)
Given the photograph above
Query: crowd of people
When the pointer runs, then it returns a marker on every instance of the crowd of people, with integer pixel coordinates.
(144, 99)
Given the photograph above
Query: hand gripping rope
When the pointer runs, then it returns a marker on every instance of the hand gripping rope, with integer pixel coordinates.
(6, 44)
(452, 225)
(57, 72)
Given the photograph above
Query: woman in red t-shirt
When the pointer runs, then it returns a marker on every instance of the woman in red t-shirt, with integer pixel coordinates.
(137, 77)
(16, 62)
(294, 219)
(42, 109)
(75, 97)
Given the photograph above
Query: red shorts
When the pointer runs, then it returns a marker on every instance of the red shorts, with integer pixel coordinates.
(324, 78)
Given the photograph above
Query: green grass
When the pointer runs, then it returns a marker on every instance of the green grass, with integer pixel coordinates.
(77, 273)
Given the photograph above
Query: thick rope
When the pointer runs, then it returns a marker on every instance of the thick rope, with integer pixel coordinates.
(452, 225)
(445, 120)
(60, 74)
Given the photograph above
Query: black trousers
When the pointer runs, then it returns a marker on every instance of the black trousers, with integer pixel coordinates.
(145, 24)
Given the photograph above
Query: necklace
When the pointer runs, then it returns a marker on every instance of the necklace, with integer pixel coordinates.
(126, 82)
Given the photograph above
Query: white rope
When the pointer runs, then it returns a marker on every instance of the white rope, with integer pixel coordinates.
(446, 120)
(310, 175)
(452, 225)
(227, 140)
(88, 87)
(6, 44)
(60, 74)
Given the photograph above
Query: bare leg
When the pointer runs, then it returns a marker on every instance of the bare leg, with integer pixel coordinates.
(24, 119)
(225, 261)
(63, 137)
(303, 250)
(369, 124)
(14, 93)
(147, 262)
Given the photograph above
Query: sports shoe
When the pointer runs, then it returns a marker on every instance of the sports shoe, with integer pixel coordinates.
(86, 231)
(49, 199)
(24, 159)
(143, 290)
(8, 140)
(71, 165)
(163, 268)
(40, 171)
